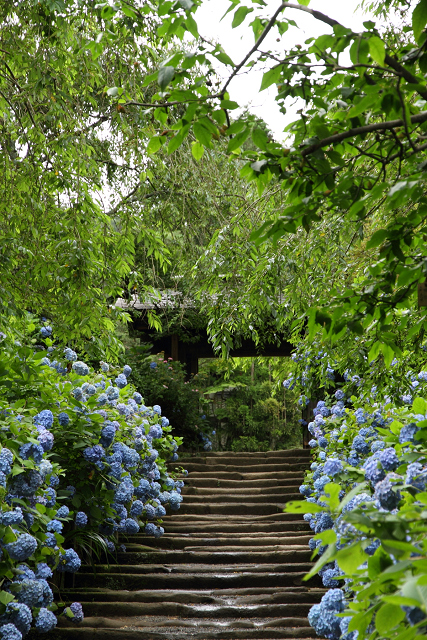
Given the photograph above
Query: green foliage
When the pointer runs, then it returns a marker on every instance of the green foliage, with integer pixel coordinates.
(246, 405)
(165, 384)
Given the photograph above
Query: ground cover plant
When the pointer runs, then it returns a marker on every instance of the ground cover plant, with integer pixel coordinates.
(366, 503)
(82, 460)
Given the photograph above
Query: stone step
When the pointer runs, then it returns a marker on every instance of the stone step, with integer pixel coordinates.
(178, 516)
(174, 541)
(252, 490)
(227, 508)
(212, 482)
(265, 630)
(194, 497)
(262, 469)
(229, 580)
(237, 527)
(198, 563)
(265, 595)
(121, 609)
(248, 455)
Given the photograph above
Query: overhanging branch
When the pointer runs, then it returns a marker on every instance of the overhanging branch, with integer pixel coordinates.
(351, 133)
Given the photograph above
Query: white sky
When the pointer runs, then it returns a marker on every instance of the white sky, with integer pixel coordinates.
(237, 42)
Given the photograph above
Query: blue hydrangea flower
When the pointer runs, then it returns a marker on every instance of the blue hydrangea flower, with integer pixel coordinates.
(81, 519)
(107, 435)
(46, 439)
(153, 365)
(131, 526)
(9, 518)
(22, 548)
(360, 445)
(43, 571)
(385, 495)
(150, 528)
(45, 620)
(104, 367)
(70, 355)
(157, 409)
(407, 433)
(46, 331)
(127, 370)
(77, 610)
(63, 512)
(63, 419)
(10, 632)
(80, 368)
(374, 472)
(44, 419)
(55, 525)
(121, 381)
(69, 561)
(332, 467)
(93, 454)
(19, 614)
(389, 459)
(113, 393)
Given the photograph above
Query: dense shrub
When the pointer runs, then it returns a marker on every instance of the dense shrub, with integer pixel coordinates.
(366, 494)
(82, 459)
(163, 381)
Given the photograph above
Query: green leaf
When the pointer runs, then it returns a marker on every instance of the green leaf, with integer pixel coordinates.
(165, 76)
(419, 405)
(154, 145)
(202, 134)
(238, 140)
(302, 506)
(186, 4)
(326, 557)
(378, 238)
(332, 490)
(419, 19)
(240, 15)
(351, 557)
(260, 138)
(374, 351)
(305, 3)
(271, 77)
(112, 91)
(388, 617)
(377, 50)
(191, 25)
(197, 150)
(6, 597)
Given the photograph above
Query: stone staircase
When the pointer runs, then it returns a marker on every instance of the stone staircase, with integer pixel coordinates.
(230, 565)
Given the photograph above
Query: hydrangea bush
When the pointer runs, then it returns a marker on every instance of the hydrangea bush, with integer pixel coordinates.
(365, 500)
(82, 460)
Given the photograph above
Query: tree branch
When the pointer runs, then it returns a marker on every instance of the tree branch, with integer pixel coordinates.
(263, 35)
(394, 64)
(350, 133)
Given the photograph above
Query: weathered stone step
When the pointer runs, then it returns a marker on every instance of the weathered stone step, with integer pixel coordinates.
(196, 581)
(176, 541)
(230, 563)
(227, 508)
(253, 490)
(178, 515)
(282, 497)
(262, 469)
(268, 631)
(213, 482)
(135, 561)
(120, 609)
(236, 596)
(248, 455)
(237, 527)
